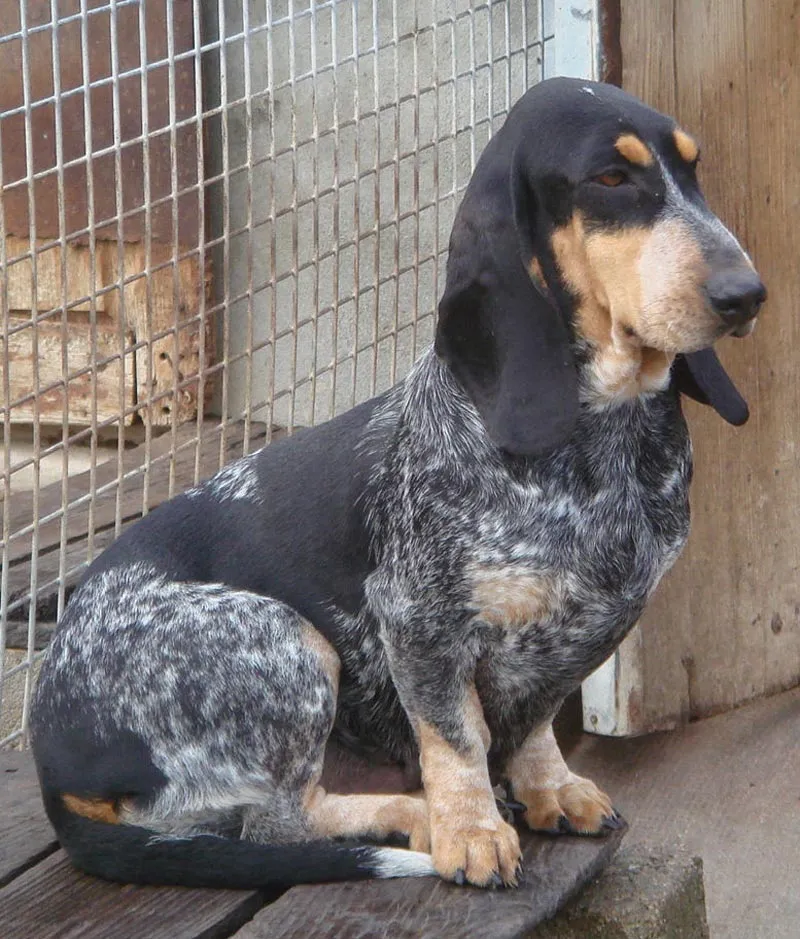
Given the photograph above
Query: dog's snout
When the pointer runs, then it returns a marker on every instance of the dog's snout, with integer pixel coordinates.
(736, 295)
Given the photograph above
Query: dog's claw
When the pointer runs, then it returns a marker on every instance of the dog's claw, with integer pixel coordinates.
(496, 881)
(565, 825)
(613, 822)
(460, 877)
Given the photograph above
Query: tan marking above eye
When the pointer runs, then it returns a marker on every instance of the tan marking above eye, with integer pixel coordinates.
(610, 179)
(687, 147)
(634, 149)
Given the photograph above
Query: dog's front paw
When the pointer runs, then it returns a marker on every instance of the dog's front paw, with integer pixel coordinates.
(479, 849)
(576, 807)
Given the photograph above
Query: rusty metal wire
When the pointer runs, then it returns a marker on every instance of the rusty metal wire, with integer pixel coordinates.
(226, 219)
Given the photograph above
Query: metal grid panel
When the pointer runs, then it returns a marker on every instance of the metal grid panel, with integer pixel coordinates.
(304, 158)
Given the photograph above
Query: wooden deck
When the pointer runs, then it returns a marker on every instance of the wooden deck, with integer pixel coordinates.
(43, 897)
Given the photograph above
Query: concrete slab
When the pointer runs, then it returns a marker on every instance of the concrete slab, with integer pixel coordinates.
(640, 895)
(725, 789)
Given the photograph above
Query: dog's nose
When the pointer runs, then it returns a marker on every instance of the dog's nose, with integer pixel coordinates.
(736, 295)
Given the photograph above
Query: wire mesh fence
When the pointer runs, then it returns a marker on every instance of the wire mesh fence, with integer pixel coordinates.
(219, 220)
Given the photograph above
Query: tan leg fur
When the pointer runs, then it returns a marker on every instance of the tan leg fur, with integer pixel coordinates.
(551, 792)
(469, 840)
(343, 816)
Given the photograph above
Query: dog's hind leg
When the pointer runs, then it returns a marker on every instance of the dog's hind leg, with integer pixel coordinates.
(330, 815)
(180, 734)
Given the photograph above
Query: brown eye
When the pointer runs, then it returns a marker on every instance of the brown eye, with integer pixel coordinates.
(614, 178)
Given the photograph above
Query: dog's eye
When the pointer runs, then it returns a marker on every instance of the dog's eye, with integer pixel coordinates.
(613, 178)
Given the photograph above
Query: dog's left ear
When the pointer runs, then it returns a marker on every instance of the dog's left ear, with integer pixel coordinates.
(502, 337)
(700, 375)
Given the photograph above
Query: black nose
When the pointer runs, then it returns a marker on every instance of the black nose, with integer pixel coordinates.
(736, 295)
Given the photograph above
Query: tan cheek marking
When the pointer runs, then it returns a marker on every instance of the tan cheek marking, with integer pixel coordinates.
(570, 256)
(654, 370)
(98, 810)
(508, 597)
(634, 149)
(612, 311)
(687, 147)
(604, 270)
(613, 263)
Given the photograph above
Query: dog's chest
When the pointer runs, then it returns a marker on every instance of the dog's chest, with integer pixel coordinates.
(562, 564)
(535, 571)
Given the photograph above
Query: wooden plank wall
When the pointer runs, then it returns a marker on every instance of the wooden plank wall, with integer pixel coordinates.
(725, 624)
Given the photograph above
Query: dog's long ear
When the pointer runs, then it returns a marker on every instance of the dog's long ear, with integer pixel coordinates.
(700, 375)
(501, 336)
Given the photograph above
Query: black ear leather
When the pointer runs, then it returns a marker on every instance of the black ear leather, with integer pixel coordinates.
(700, 375)
(503, 339)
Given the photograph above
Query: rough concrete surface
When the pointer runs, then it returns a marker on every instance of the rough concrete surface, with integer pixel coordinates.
(644, 894)
(726, 789)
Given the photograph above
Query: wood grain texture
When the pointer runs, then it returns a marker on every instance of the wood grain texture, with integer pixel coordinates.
(115, 379)
(54, 901)
(155, 316)
(430, 909)
(162, 150)
(25, 833)
(49, 292)
(161, 310)
(725, 624)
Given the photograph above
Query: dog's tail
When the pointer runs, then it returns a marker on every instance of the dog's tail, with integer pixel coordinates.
(130, 854)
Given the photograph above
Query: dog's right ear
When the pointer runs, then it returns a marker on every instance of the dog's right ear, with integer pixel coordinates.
(501, 335)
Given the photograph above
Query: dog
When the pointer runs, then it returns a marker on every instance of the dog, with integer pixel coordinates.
(426, 577)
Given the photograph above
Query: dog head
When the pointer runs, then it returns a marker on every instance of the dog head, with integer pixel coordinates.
(583, 261)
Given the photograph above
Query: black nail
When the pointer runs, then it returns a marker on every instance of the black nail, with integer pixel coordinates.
(565, 825)
(460, 877)
(496, 881)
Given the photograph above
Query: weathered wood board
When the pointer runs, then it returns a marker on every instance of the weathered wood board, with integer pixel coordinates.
(25, 833)
(725, 624)
(141, 353)
(53, 901)
(43, 896)
(555, 867)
